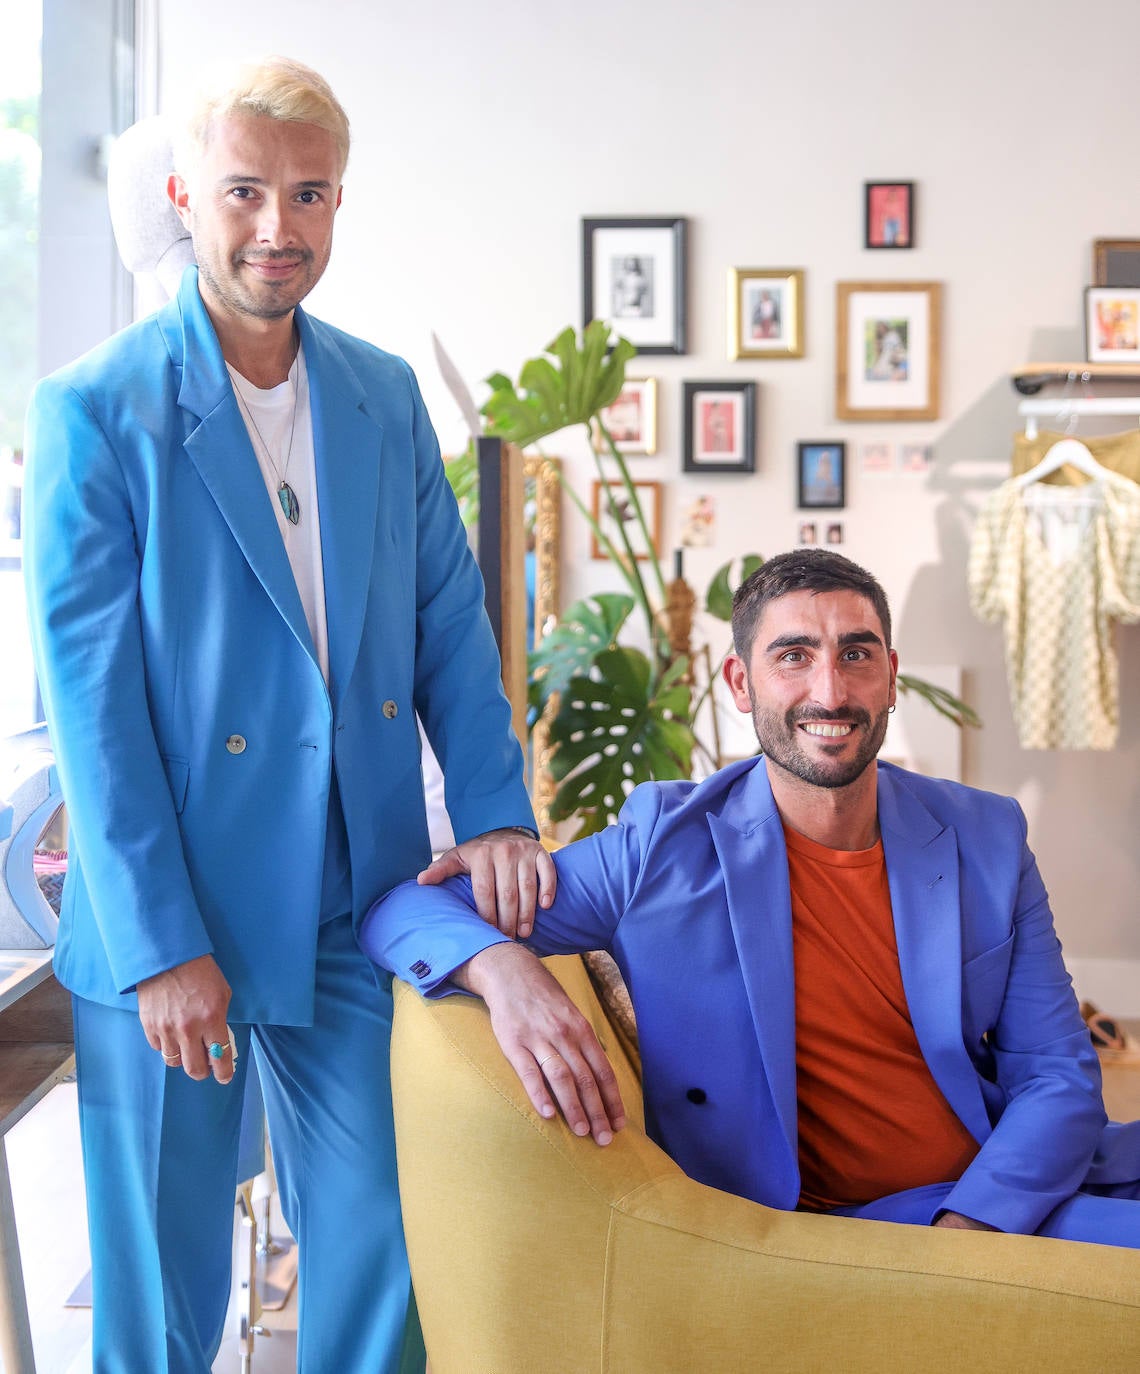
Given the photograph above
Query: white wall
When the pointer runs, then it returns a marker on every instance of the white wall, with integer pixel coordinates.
(483, 133)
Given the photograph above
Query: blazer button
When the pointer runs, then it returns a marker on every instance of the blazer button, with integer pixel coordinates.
(697, 1096)
(236, 744)
(390, 709)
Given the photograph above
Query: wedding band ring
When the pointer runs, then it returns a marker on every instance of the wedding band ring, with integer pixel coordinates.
(172, 1058)
(548, 1058)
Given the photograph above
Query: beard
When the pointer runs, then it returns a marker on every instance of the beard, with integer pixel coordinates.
(781, 742)
(262, 300)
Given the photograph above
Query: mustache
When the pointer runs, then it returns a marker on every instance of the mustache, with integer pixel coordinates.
(275, 255)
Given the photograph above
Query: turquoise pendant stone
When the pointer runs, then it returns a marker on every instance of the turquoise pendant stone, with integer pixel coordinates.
(287, 498)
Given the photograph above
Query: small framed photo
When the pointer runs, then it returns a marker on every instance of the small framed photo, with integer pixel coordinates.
(876, 457)
(808, 532)
(1116, 262)
(888, 214)
(632, 418)
(720, 427)
(887, 350)
(634, 275)
(1112, 324)
(821, 470)
(835, 532)
(612, 507)
(765, 312)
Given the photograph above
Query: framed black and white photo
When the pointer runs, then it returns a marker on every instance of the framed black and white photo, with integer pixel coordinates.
(821, 475)
(720, 427)
(634, 275)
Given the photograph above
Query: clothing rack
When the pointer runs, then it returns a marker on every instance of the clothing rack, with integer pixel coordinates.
(1066, 407)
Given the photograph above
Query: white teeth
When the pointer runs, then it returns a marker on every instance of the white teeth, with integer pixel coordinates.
(828, 731)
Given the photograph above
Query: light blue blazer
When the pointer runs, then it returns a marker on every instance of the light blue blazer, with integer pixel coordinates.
(689, 892)
(166, 622)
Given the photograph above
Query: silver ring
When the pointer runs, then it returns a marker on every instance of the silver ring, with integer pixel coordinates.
(548, 1058)
(172, 1058)
(217, 1049)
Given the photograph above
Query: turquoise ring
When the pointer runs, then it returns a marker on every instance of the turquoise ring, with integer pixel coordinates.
(217, 1049)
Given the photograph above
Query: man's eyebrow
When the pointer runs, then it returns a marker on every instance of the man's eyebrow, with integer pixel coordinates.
(235, 179)
(791, 641)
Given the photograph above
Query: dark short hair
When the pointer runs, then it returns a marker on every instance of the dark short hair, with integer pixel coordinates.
(801, 570)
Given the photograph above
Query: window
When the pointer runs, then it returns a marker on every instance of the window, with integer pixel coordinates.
(67, 81)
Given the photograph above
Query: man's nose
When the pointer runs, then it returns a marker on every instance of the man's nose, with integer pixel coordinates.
(272, 227)
(829, 685)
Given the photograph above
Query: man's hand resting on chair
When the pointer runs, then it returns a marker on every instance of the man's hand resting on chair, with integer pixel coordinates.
(546, 1039)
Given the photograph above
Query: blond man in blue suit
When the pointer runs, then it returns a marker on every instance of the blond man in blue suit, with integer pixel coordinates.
(701, 895)
(247, 578)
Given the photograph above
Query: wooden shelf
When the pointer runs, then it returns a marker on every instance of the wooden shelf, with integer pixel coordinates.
(1029, 380)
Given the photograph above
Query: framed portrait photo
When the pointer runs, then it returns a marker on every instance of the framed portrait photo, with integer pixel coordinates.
(1112, 324)
(612, 508)
(765, 312)
(720, 427)
(887, 350)
(631, 419)
(821, 475)
(888, 214)
(634, 275)
(1116, 262)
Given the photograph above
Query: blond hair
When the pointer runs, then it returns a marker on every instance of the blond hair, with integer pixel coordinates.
(277, 87)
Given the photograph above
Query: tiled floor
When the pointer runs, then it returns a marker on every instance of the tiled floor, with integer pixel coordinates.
(47, 1188)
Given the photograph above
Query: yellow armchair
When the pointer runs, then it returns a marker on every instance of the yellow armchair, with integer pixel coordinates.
(535, 1252)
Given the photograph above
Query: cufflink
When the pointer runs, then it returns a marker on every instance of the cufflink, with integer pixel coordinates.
(420, 969)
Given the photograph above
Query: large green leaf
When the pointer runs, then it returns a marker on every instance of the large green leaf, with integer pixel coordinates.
(585, 629)
(613, 731)
(944, 702)
(552, 395)
(718, 600)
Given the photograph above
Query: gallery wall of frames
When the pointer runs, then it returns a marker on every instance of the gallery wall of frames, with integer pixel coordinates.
(834, 232)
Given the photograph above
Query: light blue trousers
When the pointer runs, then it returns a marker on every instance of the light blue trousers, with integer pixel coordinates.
(160, 1158)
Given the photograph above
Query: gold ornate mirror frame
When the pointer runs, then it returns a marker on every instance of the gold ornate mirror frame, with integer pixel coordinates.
(545, 489)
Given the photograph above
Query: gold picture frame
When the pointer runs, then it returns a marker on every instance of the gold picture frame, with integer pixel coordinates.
(631, 419)
(888, 342)
(765, 312)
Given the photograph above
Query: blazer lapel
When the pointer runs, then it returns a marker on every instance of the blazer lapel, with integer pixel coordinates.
(922, 871)
(220, 449)
(749, 840)
(348, 443)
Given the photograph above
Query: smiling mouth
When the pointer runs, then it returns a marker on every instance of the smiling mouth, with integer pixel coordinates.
(826, 730)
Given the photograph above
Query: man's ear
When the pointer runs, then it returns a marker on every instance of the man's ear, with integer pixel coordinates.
(736, 676)
(179, 197)
(894, 677)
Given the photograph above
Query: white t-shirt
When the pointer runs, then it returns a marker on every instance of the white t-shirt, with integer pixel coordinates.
(283, 420)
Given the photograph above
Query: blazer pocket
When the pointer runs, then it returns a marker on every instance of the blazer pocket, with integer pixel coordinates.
(983, 988)
(177, 778)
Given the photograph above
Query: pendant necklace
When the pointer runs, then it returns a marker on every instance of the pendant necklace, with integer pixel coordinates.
(286, 496)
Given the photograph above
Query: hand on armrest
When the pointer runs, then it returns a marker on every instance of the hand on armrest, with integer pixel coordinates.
(955, 1221)
(546, 1039)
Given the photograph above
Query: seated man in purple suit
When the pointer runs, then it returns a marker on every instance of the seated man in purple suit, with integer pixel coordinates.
(850, 997)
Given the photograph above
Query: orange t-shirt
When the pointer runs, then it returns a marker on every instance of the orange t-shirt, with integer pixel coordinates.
(872, 1120)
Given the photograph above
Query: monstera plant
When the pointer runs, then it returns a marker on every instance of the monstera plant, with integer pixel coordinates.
(618, 714)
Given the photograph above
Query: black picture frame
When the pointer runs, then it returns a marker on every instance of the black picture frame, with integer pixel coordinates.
(719, 421)
(816, 490)
(879, 197)
(644, 303)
